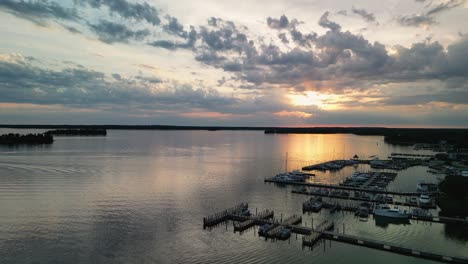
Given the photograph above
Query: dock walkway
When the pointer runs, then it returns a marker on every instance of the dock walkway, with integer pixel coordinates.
(391, 247)
(340, 187)
(370, 200)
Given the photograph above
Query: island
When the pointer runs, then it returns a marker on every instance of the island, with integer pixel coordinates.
(29, 139)
(77, 132)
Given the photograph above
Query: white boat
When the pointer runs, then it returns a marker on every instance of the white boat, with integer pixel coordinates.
(425, 199)
(421, 187)
(386, 211)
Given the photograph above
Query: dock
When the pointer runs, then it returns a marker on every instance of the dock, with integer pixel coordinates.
(224, 215)
(317, 233)
(243, 223)
(334, 165)
(393, 154)
(423, 218)
(390, 247)
(340, 187)
(320, 232)
(370, 199)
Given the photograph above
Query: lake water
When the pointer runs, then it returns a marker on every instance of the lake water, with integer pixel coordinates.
(140, 196)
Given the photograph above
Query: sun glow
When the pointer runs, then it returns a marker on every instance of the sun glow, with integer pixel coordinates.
(310, 98)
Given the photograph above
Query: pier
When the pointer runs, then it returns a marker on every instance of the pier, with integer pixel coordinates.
(370, 199)
(411, 155)
(353, 208)
(390, 247)
(222, 216)
(334, 165)
(340, 187)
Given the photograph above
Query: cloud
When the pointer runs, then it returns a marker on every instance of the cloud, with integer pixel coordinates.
(445, 6)
(326, 23)
(282, 23)
(21, 82)
(283, 38)
(136, 11)
(304, 40)
(366, 15)
(427, 18)
(416, 20)
(174, 27)
(38, 12)
(165, 44)
(111, 32)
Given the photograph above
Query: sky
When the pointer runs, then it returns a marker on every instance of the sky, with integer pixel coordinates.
(235, 63)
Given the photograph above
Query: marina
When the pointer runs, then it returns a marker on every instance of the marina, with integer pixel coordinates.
(274, 228)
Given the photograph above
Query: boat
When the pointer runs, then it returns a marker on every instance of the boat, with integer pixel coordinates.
(316, 206)
(362, 212)
(425, 199)
(245, 212)
(386, 211)
(421, 212)
(389, 199)
(284, 234)
(421, 187)
(414, 200)
(262, 230)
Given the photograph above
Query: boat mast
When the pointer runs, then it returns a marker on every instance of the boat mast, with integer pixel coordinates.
(286, 163)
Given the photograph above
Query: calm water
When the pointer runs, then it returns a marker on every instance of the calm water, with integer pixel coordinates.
(140, 196)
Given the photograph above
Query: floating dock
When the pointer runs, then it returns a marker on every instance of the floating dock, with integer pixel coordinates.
(390, 247)
(370, 200)
(340, 187)
(423, 218)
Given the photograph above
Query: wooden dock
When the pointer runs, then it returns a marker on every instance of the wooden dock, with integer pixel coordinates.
(241, 224)
(222, 216)
(340, 187)
(317, 233)
(432, 219)
(334, 165)
(390, 247)
(370, 200)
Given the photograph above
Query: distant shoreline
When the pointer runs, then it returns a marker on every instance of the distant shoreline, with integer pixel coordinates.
(396, 136)
(361, 131)
(378, 131)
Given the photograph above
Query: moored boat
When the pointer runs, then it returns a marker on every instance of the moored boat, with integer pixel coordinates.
(386, 211)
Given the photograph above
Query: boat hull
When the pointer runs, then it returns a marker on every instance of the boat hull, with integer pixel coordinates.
(391, 214)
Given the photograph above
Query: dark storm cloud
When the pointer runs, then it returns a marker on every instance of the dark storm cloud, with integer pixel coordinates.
(111, 32)
(428, 17)
(326, 23)
(38, 11)
(137, 11)
(366, 15)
